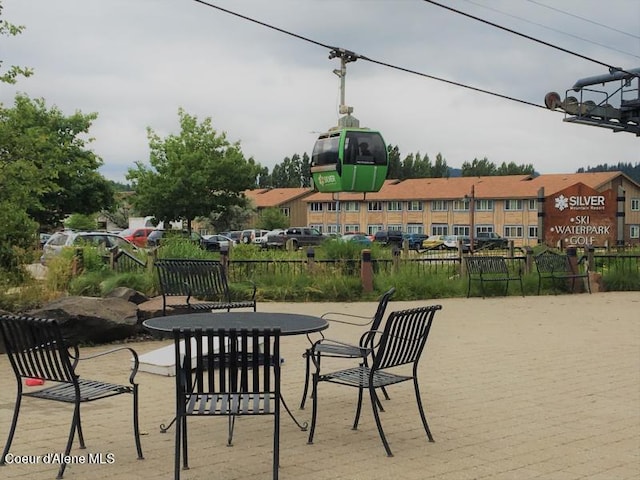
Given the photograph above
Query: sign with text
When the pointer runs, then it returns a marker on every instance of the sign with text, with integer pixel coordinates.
(580, 215)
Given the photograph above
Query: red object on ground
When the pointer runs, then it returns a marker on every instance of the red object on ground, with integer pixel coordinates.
(33, 382)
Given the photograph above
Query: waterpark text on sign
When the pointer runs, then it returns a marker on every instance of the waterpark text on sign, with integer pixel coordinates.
(580, 215)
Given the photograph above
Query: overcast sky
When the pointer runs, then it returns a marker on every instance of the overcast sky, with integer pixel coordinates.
(136, 62)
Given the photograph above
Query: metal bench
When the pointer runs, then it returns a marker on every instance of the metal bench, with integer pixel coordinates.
(558, 267)
(491, 269)
(198, 279)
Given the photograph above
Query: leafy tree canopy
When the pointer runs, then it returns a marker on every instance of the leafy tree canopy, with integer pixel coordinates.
(11, 75)
(192, 174)
(45, 164)
(480, 168)
(272, 218)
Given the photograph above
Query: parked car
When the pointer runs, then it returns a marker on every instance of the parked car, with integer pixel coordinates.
(222, 241)
(299, 236)
(388, 237)
(262, 240)
(491, 240)
(249, 235)
(70, 238)
(233, 235)
(451, 242)
(434, 242)
(359, 238)
(156, 237)
(415, 240)
(137, 236)
(43, 238)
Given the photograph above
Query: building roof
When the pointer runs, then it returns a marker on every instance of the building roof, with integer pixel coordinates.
(273, 197)
(490, 187)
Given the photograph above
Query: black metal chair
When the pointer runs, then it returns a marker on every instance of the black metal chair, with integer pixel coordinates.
(36, 349)
(241, 378)
(326, 347)
(400, 344)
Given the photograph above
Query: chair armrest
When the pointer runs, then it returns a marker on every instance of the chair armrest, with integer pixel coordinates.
(350, 315)
(368, 338)
(136, 362)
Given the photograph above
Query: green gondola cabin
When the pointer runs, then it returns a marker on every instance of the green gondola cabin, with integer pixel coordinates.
(349, 160)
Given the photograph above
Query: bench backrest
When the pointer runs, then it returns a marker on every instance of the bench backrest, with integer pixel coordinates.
(183, 277)
(553, 262)
(477, 265)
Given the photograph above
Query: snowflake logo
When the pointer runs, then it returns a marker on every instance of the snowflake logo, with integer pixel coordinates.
(562, 202)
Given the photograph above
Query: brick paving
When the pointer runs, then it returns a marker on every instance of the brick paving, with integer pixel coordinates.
(514, 388)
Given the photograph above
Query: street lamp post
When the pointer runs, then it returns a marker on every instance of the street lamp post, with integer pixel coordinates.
(472, 226)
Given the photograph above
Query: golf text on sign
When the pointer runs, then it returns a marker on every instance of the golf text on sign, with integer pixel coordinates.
(580, 215)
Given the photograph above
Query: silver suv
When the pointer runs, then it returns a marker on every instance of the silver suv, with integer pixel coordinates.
(70, 238)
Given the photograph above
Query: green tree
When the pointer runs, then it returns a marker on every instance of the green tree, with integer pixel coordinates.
(440, 167)
(45, 165)
(78, 221)
(395, 166)
(479, 168)
(11, 75)
(272, 218)
(192, 174)
(512, 169)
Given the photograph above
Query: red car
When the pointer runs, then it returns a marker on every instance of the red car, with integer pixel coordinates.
(137, 236)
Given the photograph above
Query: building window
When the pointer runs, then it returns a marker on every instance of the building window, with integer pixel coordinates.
(439, 229)
(414, 206)
(332, 228)
(351, 228)
(513, 231)
(461, 230)
(634, 231)
(635, 204)
(375, 206)
(394, 227)
(372, 229)
(513, 204)
(533, 232)
(315, 206)
(439, 206)
(415, 228)
(350, 206)
(461, 206)
(332, 206)
(484, 205)
(533, 204)
(394, 206)
(318, 227)
(285, 211)
(484, 228)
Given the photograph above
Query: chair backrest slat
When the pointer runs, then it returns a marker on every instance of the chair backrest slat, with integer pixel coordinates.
(238, 364)
(404, 337)
(35, 348)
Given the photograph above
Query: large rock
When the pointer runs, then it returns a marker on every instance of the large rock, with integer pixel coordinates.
(91, 319)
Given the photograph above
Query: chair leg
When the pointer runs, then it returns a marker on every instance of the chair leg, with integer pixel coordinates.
(307, 374)
(376, 415)
(75, 425)
(14, 424)
(386, 397)
(232, 424)
(185, 453)
(136, 423)
(359, 408)
(314, 408)
(421, 410)
(276, 440)
(176, 467)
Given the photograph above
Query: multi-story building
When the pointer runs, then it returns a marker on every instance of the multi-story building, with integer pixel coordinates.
(583, 208)
(287, 200)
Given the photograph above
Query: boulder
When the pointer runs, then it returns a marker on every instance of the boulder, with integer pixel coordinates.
(91, 319)
(129, 294)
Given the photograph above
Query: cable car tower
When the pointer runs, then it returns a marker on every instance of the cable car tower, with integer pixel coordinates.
(348, 158)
